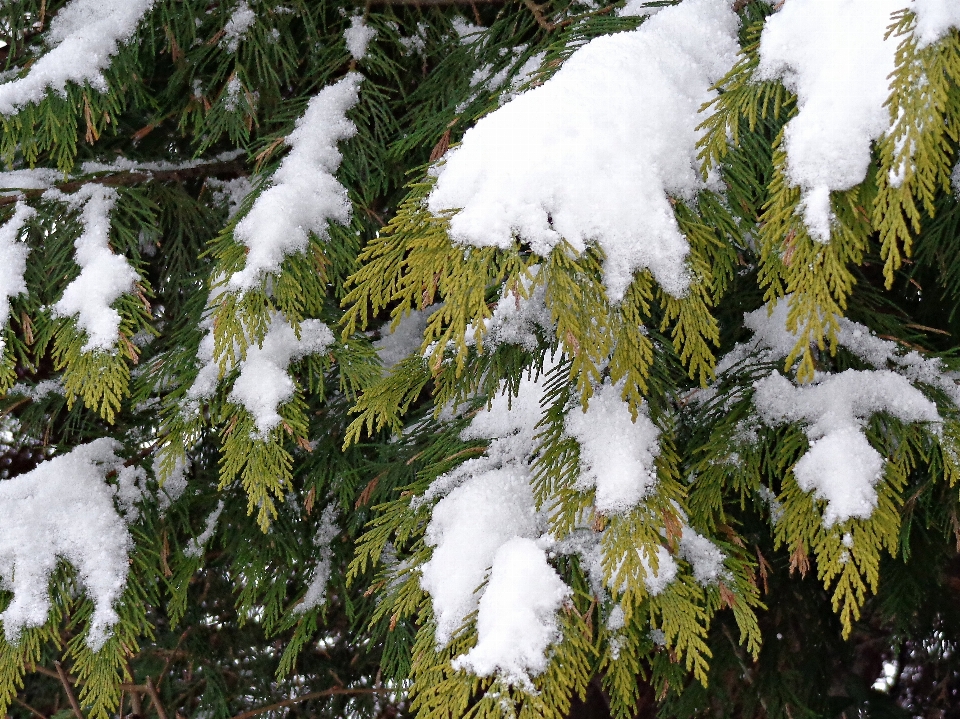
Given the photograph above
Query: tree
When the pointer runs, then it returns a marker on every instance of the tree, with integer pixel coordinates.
(480, 359)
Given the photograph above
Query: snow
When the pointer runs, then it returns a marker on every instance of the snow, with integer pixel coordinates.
(404, 340)
(934, 19)
(14, 265)
(241, 20)
(416, 43)
(524, 74)
(467, 32)
(196, 546)
(466, 530)
(131, 490)
(39, 390)
(208, 375)
(304, 193)
(125, 164)
(833, 55)
(172, 484)
(358, 37)
(704, 556)
(517, 619)
(263, 384)
(638, 8)
(488, 501)
(63, 510)
(516, 319)
(83, 36)
(657, 580)
(36, 178)
(317, 589)
(104, 276)
(231, 193)
(592, 154)
(616, 453)
(840, 465)
(772, 341)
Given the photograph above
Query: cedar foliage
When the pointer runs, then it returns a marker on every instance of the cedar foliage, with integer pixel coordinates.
(800, 623)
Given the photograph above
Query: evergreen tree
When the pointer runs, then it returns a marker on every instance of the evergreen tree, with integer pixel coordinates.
(480, 359)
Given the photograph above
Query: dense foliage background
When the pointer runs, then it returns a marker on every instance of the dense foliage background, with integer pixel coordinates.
(278, 524)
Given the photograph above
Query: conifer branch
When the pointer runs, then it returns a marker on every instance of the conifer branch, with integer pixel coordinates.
(232, 168)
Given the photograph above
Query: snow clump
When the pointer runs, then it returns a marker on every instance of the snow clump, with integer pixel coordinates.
(934, 19)
(486, 527)
(14, 266)
(358, 37)
(83, 35)
(841, 466)
(197, 544)
(64, 510)
(837, 59)
(593, 153)
(516, 622)
(616, 453)
(399, 342)
(304, 193)
(237, 26)
(104, 276)
(263, 384)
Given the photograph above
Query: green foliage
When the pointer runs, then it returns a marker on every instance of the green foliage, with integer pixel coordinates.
(215, 617)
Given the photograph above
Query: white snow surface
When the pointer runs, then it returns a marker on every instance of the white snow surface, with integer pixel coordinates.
(467, 528)
(328, 531)
(241, 20)
(83, 37)
(358, 37)
(616, 454)
(305, 193)
(13, 262)
(488, 501)
(833, 55)
(264, 384)
(63, 510)
(35, 178)
(104, 276)
(593, 153)
(841, 466)
(934, 19)
(517, 618)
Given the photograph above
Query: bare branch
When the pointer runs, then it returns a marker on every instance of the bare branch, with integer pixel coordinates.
(127, 179)
(74, 704)
(151, 690)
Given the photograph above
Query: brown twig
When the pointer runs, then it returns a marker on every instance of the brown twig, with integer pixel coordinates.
(538, 15)
(151, 690)
(307, 697)
(29, 708)
(74, 704)
(126, 179)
